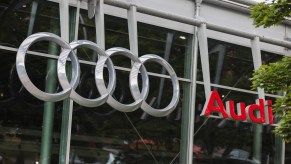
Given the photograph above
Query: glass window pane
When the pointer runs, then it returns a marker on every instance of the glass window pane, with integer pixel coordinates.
(230, 64)
(287, 153)
(103, 134)
(18, 20)
(268, 57)
(171, 45)
(21, 115)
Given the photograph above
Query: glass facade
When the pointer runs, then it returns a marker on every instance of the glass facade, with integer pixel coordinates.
(230, 65)
(103, 134)
(225, 141)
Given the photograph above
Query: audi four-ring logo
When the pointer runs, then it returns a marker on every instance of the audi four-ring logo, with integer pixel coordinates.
(104, 60)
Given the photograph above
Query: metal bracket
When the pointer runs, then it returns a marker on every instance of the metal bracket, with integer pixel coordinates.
(288, 50)
(92, 8)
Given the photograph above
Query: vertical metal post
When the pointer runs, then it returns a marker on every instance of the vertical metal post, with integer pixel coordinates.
(77, 20)
(132, 29)
(67, 34)
(257, 142)
(66, 131)
(49, 107)
(221, 54)
(282, 152)
(99, 23)
(64, 19)
(203, 47)
(279, 150)
(188, 120)
(133, 35)
(188, 114)
(32, 17)
(169, 43)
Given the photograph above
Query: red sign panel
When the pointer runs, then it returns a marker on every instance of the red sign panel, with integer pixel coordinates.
(261, 112)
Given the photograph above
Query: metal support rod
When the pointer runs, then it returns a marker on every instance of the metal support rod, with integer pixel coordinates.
(221, 49)
(187, 141)
(132, 29)
(246, 2)
(203, 47)
(99, 23)
(279, 144)
(170, 37)
(188, 109)
(49, 107)
(256, 52)
(283, 153)
(188, 114)
(258, 128)
(32, 17)
(64, 19)
(66, 131)
(66, 34)
(230, 5)
(77, 20)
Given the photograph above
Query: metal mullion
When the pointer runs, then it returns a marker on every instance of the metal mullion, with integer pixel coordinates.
(132, 29)
(67, 103)
(189, 114)
(203, 47)
(99, 24)
(275, 96)
(279, 155)
(237, 89)
(77, 19)
(167, 52)
(49, 107)
(279, 143)
(64, 19)
(258, 128)
(133, 43)
(234, 89)
(32, 17)
(256, 52)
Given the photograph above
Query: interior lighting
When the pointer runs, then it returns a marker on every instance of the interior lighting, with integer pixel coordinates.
(182, 37)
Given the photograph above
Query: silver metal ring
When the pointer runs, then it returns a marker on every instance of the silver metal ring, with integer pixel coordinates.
(135, 91)
(137, 103)
(103, 61)
(23, 76)
(102, 89)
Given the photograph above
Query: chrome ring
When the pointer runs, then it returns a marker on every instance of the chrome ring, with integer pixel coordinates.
(23, 76)
(103, 61)
(111, 101)
(135, 89)
(102, 90)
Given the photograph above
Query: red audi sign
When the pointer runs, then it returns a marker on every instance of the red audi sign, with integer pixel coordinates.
(261, 112)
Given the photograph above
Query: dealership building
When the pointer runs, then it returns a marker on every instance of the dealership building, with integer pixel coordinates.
(171, 56)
